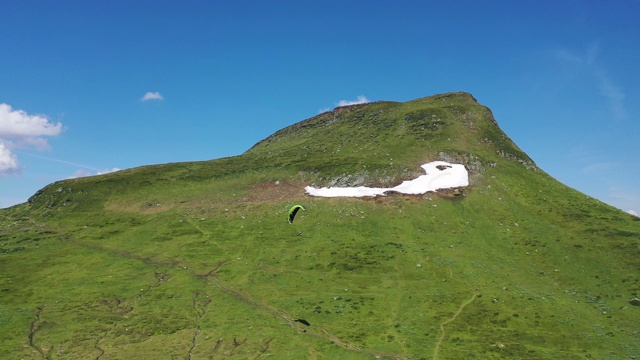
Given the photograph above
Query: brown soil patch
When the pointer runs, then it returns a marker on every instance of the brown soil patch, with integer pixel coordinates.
(272, 191)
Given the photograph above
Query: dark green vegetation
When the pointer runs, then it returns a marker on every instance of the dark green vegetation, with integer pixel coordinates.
(198, 261)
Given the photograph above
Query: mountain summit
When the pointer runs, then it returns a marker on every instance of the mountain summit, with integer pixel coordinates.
(392, 138)
(198, 260)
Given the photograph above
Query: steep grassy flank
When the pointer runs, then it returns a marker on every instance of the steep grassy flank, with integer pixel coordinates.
(197, 260)
(385, 142)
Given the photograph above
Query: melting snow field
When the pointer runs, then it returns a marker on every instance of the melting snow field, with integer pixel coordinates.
(439, 175)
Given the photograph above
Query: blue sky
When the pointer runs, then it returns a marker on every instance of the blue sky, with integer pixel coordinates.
(87, 87)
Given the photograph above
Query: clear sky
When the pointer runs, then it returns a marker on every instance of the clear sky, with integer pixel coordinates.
(88, 86)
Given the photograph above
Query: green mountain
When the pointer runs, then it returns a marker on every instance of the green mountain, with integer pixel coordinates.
(198, 261)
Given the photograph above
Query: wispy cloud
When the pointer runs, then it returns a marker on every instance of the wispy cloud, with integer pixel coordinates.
(19, 130)
(58, 160)
(588, 62)
(626, 199)
(82, 172)
(613, 93)
(600, 167)
(361, 100)
(152, 96)
(590, 161)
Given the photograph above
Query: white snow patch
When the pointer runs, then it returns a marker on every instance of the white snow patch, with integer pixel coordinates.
(439, 175)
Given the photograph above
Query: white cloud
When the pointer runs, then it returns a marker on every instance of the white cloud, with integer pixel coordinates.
(19, 124)
(8, 161)
(633, 213)
(20, 130)
(361, 100)
(84, 173)
(80, 173)
(108, 171)
(152, 96)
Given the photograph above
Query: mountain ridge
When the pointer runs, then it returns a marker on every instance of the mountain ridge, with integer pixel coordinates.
(261, 154)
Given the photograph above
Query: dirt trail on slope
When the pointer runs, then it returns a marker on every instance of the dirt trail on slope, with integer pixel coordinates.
(444, 334)
(314, 330)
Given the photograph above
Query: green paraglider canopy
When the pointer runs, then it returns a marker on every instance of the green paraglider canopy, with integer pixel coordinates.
(293, 211)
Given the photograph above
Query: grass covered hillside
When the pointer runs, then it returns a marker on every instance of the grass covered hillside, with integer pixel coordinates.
(197, 260)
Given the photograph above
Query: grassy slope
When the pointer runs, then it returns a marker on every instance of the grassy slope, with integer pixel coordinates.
(196, 260)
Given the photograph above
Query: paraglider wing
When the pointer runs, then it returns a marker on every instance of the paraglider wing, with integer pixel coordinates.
(294, 210)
